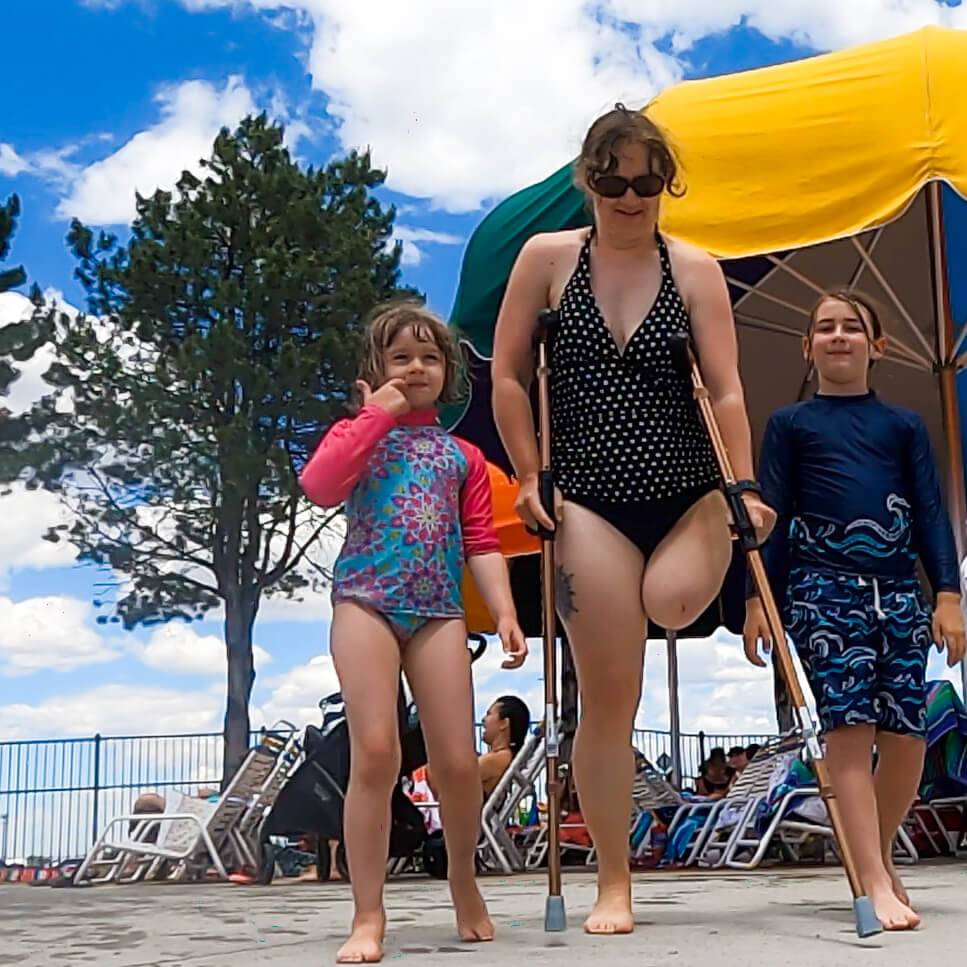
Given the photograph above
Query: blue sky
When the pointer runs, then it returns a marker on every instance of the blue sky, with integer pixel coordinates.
(463, 102)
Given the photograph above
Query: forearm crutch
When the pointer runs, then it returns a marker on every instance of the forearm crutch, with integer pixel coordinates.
(555, 918)
(867, 922)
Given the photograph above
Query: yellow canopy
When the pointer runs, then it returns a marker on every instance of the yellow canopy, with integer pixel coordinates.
(824, 148)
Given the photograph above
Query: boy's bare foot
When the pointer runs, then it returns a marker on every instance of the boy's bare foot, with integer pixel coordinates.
(365, 943)
(612, 911)
(898, 888)
(892, 913)
(473, 922)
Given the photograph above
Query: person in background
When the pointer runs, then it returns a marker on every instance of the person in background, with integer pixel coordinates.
(738, 760)
(715, 776)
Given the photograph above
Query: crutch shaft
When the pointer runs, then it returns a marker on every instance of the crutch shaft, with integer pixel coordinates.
(553, 919)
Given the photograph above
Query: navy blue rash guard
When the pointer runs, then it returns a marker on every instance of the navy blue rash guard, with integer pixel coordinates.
(855, 486)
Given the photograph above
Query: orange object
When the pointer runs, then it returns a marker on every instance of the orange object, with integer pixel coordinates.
(514, 542)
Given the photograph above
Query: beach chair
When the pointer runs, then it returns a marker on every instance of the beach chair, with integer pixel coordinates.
(497, 849)
(731, 825)
(775, 804)
(943, 786)
(283, 738)
(653, 794)
(192, 834)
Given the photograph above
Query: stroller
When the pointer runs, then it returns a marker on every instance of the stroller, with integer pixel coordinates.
(312, 799)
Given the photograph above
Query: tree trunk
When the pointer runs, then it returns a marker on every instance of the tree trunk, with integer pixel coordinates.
(239, 619)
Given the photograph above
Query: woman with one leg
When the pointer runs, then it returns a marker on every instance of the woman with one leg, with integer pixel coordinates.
(642, 526)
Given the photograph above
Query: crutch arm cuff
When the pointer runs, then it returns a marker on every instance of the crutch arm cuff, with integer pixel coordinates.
(744, 487)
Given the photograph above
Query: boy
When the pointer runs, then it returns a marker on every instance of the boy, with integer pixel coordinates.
(855, 487)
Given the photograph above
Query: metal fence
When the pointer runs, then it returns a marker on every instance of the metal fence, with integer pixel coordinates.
(56, 794)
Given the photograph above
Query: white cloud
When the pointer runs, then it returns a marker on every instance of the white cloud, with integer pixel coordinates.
(720, 692)
(115, 710)
(49, 634)
(466, 102)
(26, 517)
(412, 252)
(820, 24)
(295, 695)
(191, 115)
(11, 164)
(177, 648)
(30, 386)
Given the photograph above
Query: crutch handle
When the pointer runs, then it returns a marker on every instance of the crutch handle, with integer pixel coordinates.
(741, 523)
(545, 489)
(547, 320)
(680, 347)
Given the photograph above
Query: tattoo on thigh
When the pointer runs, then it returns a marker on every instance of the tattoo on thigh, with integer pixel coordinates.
(564, 592)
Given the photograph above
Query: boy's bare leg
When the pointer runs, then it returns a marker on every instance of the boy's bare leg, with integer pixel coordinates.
(897, 780)
(850, 758)
(437, 666)
(367, 659)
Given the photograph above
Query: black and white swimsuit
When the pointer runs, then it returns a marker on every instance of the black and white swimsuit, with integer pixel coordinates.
(627, 440)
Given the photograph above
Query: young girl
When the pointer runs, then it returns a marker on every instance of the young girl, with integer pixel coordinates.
(417, 504)
(854, 483)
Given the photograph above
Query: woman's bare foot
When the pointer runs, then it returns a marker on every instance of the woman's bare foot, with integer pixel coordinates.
(898, 888)
(365, 943)
(612, 912)
(891, 911)
(473, 921)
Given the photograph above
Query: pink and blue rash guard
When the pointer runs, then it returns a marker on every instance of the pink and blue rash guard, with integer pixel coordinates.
(417, 502)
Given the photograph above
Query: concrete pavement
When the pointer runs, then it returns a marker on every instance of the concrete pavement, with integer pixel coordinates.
(798, 917)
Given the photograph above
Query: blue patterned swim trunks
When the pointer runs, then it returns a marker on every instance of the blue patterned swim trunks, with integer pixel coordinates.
(863, 643)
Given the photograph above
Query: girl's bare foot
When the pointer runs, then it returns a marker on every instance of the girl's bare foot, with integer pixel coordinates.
(473, 922)
(365, 943)
(892, 913)
(898, 888)
(612, 912)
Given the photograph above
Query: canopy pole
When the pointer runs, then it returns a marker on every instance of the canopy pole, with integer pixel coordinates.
(674, 712)
(947, 375)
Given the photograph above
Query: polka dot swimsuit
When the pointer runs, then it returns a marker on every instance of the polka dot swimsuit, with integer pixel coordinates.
(625, 426)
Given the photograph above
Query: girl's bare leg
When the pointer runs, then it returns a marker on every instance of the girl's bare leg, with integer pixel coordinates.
(599, 601)
(367, 659)
(437, 666)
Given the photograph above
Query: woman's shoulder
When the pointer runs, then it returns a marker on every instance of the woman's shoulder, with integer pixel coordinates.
(547, 245)
(686, 254)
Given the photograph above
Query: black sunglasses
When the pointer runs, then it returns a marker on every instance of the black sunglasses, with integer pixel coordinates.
(614, 186)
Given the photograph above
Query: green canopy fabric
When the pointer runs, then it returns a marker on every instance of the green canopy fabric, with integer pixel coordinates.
(549, 206)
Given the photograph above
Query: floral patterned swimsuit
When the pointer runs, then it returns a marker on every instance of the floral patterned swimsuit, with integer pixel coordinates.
(418, 505)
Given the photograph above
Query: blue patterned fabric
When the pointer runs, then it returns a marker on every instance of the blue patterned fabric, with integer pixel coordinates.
(863, 643)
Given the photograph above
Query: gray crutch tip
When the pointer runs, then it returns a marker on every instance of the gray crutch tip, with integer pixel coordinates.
(555, 919)
(867, 922)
